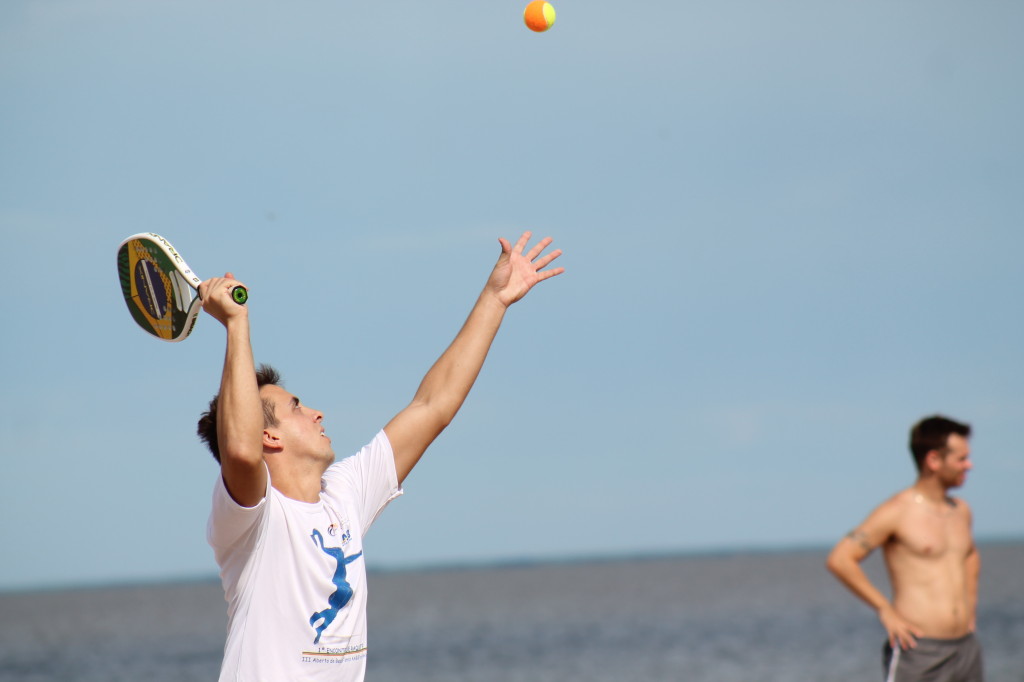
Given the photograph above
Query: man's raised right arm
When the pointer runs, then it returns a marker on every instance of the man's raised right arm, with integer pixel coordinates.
(239, 408)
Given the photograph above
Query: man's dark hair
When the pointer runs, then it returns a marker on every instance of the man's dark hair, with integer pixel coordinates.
(932, 433)
(207, 427)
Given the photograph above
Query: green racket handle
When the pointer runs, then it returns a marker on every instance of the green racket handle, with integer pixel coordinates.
(240, 295)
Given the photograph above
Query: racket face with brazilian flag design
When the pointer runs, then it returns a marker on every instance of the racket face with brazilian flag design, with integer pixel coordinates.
(160, 289)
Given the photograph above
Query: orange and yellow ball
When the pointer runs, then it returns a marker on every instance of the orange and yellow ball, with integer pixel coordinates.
(539, 16)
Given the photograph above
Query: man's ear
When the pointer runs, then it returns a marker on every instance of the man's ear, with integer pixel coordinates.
(933, 460)
(271, 441)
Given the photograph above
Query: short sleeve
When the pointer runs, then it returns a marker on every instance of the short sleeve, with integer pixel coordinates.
(368, 479)
(229, 520)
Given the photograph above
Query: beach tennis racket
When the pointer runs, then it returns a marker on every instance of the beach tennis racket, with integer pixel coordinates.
(160, 288)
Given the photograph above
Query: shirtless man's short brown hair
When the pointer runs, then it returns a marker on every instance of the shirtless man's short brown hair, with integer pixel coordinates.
(933, 433)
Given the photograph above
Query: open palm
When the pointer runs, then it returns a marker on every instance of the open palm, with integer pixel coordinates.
(516, 273)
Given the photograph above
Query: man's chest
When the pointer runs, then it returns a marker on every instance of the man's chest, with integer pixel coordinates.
(934, 534)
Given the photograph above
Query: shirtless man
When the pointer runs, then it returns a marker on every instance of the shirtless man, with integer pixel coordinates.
(933, 565)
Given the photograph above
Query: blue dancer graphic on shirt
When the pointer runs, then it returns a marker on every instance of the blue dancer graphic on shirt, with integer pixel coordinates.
(341, 596)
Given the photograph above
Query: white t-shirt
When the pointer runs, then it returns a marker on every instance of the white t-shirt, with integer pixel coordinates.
(294, 574)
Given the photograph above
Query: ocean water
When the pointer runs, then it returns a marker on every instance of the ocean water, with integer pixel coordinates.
(743, 617)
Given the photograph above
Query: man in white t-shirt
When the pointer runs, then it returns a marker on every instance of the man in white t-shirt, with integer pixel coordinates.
(287, 522)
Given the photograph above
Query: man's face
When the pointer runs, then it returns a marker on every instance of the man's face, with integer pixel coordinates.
(300, 428)
(952, 471)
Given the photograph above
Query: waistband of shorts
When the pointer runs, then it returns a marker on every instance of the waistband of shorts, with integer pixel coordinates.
(954, 640)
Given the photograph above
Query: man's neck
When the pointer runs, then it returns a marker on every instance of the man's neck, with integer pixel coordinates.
(298, 483)
(929, 489)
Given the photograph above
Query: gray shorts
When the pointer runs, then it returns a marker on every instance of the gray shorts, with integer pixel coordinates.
(935, 660)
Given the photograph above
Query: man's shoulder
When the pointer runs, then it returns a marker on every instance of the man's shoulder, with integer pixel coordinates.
(898, 502)
(888, 514)
(959, 504)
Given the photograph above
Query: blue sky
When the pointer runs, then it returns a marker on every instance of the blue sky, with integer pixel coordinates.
(790, 229)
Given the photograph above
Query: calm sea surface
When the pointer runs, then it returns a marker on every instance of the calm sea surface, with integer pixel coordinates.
(745, 617)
